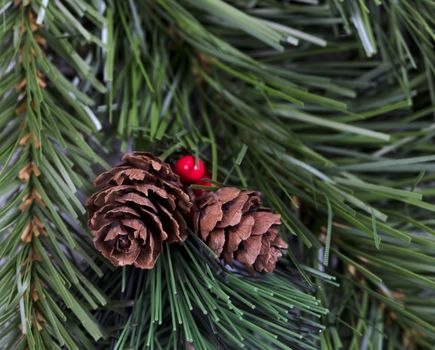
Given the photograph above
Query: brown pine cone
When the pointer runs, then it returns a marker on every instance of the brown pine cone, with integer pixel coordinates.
(234, 225)
(139, 205)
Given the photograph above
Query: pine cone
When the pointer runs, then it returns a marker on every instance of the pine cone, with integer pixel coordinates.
(233, 224)
(139, 205)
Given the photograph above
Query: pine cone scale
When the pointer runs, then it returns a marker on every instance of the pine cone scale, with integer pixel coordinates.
(207, 220)
(170, 225)
(216, 240)
(264, 221)
(123, 209)
(239, 233)
(228, 194)
(121, 175)
(234, 211)
(250, 250)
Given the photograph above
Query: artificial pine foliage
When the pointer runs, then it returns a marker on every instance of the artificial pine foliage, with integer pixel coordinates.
(325, 106)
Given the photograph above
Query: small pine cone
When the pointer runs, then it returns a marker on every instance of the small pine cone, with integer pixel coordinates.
(138, 205)
(234, 225)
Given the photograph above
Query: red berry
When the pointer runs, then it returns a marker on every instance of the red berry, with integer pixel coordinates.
(203, 182)
(190, 169)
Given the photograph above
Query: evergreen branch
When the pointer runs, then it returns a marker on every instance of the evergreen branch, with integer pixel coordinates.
(46, 299)
(188, 298)
(350, 118)
(280, 97)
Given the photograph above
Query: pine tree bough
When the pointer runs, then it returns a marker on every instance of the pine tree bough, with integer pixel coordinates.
(235, 226)
(326, 103)
(139, 205)
(43, 157)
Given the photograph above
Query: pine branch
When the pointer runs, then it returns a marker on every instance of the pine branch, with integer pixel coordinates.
(189, 298)
(45, 298)
(333, 140)
(326, 108)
